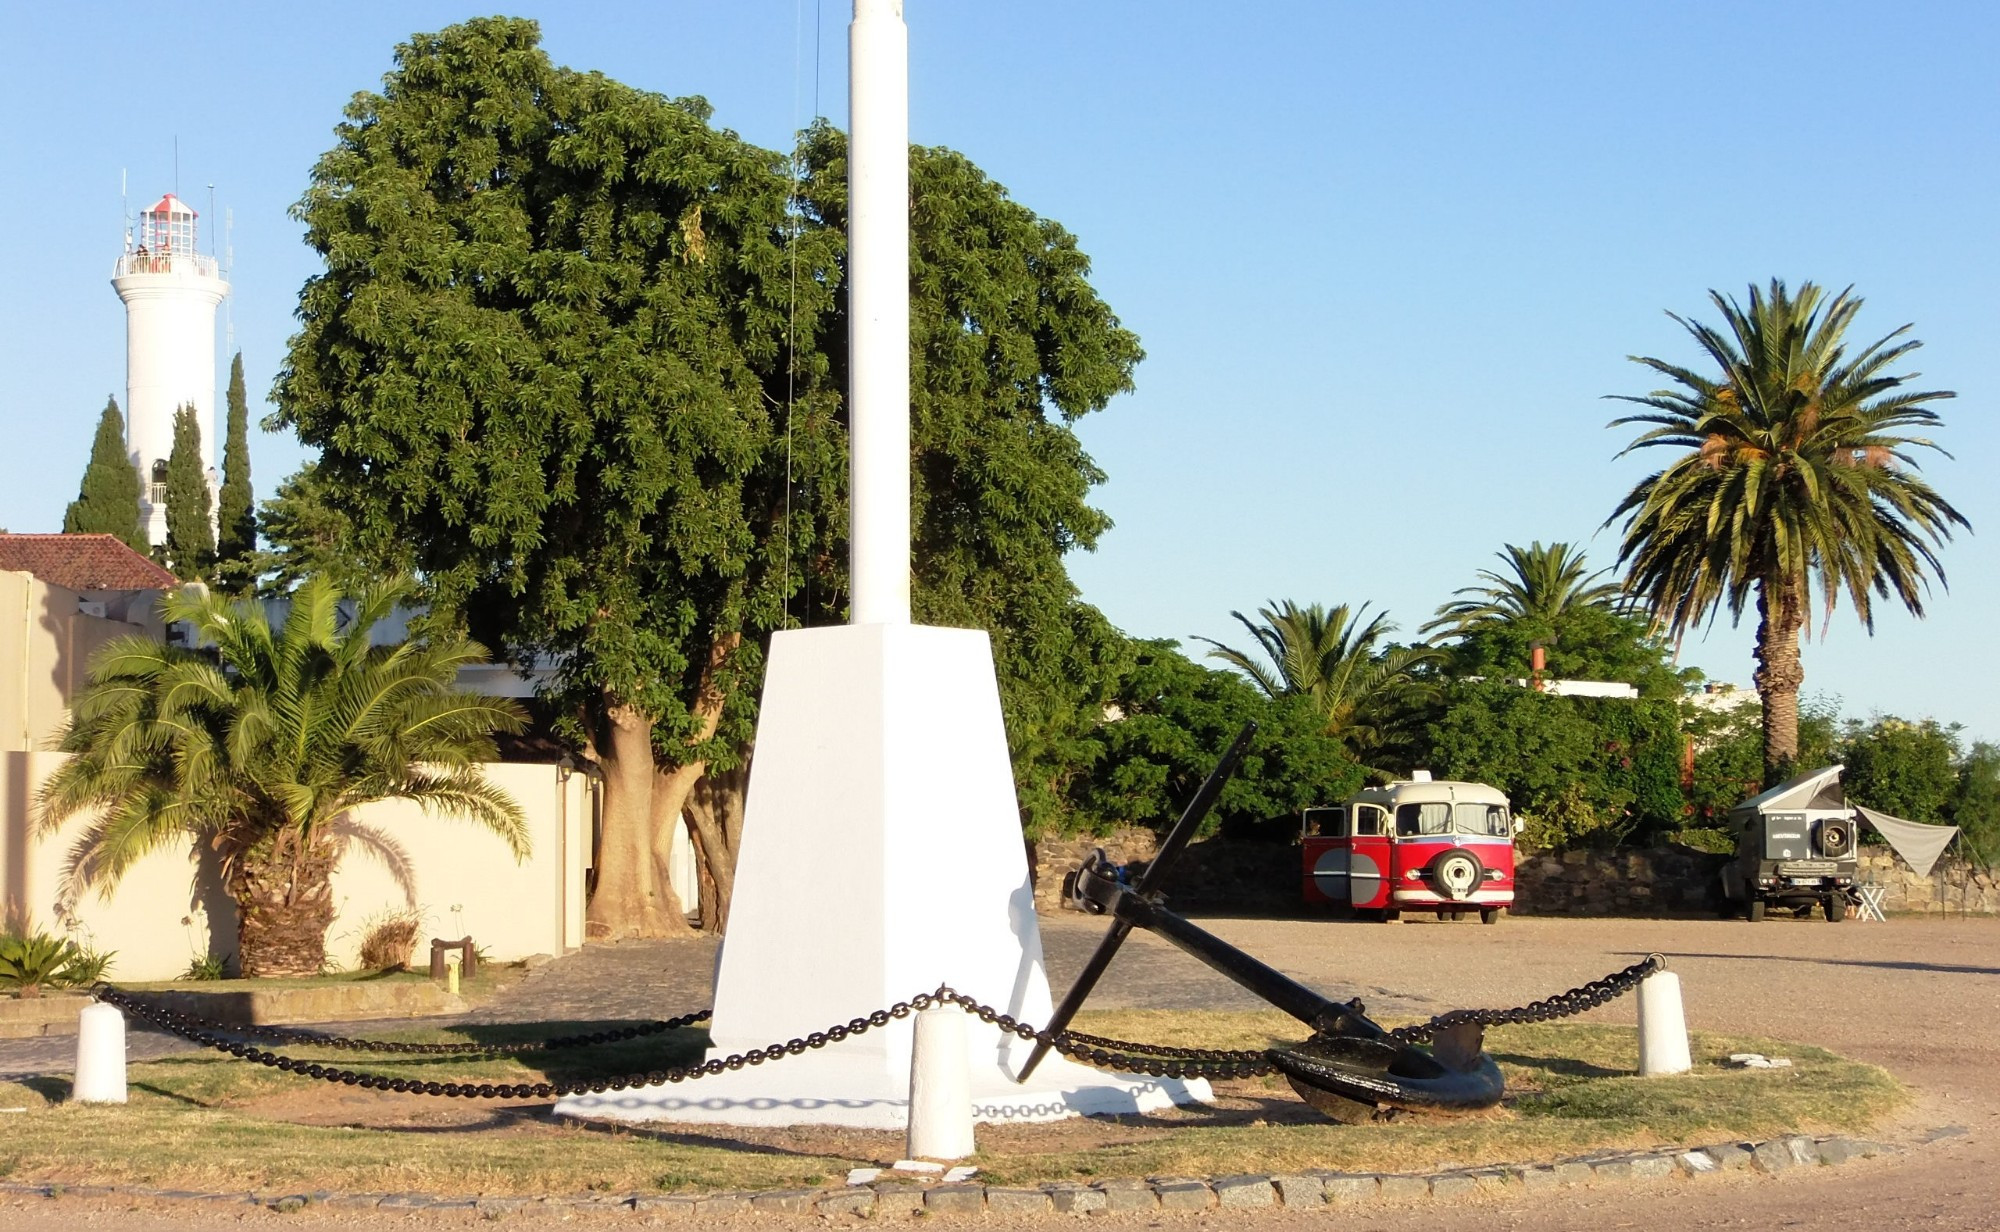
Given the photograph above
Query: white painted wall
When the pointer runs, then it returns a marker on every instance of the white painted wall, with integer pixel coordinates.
(463, 880)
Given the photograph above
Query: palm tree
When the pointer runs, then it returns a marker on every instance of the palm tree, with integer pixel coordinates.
(1336, 661)
(262, 745)
(1547, 584)
(1797, 482)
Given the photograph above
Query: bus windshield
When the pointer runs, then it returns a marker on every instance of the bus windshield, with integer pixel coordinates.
(1485, 819)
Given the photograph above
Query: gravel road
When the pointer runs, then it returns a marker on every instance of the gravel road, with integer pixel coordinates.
(1919, 997)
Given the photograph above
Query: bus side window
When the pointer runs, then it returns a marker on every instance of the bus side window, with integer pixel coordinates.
(1367, 822)
(1331, 822)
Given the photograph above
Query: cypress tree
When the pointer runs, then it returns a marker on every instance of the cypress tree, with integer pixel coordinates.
(236, 514)
(190, 546)
(108, 501)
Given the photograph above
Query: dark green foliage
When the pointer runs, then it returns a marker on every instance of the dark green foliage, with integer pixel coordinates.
(1176, 717)
(108, 501)
(570, 300)
(1975, 805)
(1596, 644)
(236, 517)
(1592, 770)
(576, 360)
(190, 545)
(1341, 664)
(31, 961)
(1905, 769)
(305, 536)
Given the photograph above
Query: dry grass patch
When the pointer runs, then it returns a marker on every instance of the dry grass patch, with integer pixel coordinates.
(214, 1123)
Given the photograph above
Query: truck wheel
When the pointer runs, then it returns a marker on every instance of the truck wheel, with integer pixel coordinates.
(1756, 912)
(1492, 915)
(1834, 906)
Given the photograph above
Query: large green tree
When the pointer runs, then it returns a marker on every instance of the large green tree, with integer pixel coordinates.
(1342, 663)
(262, 746)
(107, 503)
(1794, 483)
(236, 512)
(576, 358)
(190, 545)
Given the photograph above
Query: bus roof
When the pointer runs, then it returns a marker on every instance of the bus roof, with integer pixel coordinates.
(1431, 792)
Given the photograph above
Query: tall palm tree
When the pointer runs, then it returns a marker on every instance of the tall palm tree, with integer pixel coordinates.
(262, 745)
(1335, 659)
(1543, 585)
(1796, 483)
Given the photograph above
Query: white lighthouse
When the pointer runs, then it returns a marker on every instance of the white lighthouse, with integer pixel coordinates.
(170, 293)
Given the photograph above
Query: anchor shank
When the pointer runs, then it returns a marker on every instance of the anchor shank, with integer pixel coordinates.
(1272, 985)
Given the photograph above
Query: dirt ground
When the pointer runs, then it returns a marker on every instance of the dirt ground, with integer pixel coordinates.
(1919, 997)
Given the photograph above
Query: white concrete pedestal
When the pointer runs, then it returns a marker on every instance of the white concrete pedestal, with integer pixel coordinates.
(882, 856)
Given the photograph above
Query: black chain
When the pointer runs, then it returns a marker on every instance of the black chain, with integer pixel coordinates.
(1562, 1005)
(1124, 1056)
(173, 1021)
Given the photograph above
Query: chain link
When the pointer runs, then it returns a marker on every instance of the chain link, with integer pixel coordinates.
(166, 1018)
(1124, 1056)
(1563, 1005)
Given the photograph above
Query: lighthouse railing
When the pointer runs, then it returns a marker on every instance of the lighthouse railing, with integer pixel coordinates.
(142, 262)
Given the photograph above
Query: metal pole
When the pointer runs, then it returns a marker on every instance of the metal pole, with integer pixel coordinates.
(878, 295)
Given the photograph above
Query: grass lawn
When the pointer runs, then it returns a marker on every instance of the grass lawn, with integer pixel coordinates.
(211, 1122)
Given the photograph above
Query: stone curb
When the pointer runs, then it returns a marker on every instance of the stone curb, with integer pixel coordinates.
(1306, 1190)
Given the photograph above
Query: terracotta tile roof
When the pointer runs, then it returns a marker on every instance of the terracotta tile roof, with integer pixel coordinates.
(83, 562)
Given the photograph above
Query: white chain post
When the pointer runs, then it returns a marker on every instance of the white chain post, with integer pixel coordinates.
(100, 1055)
(940, 1086)
(1663, 1033)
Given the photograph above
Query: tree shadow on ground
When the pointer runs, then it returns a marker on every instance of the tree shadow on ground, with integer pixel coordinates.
(1883, 964)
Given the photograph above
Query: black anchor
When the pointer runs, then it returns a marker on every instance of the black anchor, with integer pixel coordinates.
(1351, 1068)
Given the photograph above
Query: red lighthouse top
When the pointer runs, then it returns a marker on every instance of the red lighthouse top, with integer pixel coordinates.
(166, 228)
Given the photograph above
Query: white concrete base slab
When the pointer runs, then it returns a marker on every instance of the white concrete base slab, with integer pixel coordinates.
(882, 857)
(826, 1088)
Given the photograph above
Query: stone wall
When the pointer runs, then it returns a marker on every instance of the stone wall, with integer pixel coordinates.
(1213, 876)
(1637, 881)
(1217, 876)
(1953, 888)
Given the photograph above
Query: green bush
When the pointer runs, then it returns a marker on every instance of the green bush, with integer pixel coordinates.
(30, 961)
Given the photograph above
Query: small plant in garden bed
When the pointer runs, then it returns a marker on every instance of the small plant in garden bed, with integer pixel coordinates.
(31, 961)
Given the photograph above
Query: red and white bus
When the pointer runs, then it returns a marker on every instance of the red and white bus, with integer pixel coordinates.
(1416, 845)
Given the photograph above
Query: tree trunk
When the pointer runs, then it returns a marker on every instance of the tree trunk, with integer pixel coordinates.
(715, 816)
(681, 790)
(632, 898)
(284, 904)
(1779, 675)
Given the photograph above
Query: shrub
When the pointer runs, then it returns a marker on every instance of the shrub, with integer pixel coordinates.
(206, 967)
(387, 940)
(30, 961)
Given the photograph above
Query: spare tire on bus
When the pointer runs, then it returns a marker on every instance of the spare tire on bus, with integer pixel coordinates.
(1457, 873)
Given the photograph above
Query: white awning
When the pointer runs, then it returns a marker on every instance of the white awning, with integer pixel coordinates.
(1919, 844)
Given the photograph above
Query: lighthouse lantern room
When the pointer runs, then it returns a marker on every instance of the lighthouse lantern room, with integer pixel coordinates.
(170, 293)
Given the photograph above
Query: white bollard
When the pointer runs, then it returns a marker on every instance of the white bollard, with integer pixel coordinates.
(1663, 1033)
(100, 1055)
(940, 1086)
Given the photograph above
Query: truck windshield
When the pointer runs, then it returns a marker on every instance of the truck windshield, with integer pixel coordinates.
(1486, 819)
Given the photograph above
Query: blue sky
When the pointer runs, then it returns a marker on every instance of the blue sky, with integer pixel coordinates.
(1385, 260)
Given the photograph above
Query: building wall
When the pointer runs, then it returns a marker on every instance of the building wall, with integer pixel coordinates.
(458, 877)
(46, 642)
